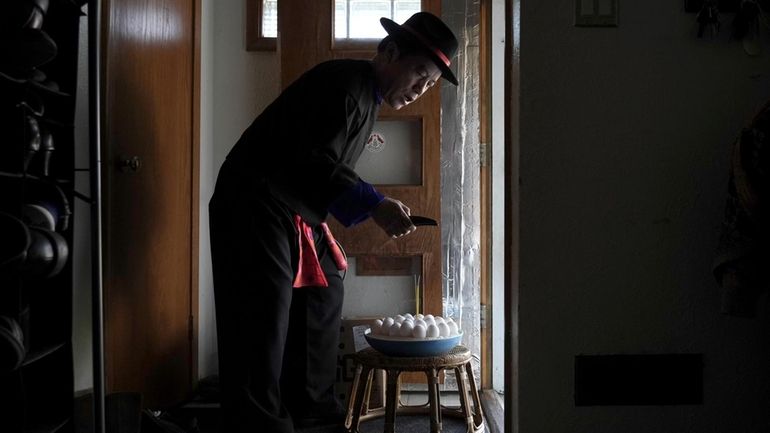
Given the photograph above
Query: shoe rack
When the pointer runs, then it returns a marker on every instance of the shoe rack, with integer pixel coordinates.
(38, 76)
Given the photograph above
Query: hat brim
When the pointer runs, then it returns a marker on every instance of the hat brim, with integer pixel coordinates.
(394, 29)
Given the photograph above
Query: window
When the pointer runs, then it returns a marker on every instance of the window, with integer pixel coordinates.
(261, 25)
(360, 19)
(269, 18)
(353, 19)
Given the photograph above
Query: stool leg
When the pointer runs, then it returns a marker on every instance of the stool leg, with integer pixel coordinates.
(367, 393)
(391, 400)
(434, 400)
(478, 415)
(356, 400)
(465, 408)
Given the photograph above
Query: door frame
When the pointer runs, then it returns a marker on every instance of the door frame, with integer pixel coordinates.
(195, 192)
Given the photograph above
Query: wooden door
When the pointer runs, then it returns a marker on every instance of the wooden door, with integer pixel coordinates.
(150, 205)
(305, 39)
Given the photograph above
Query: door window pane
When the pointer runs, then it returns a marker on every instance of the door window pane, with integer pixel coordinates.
(269, 18)
(393, 153)
(382, 286)
(360, 19)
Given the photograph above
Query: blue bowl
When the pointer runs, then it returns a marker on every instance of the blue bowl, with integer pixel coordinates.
(411, 347)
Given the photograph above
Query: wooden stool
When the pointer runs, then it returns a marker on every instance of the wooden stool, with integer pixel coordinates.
(458, 359)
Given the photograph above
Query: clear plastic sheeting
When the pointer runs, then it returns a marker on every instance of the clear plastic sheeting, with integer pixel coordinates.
(460, 179)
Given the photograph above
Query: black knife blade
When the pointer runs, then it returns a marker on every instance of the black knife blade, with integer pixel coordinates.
(422, 221)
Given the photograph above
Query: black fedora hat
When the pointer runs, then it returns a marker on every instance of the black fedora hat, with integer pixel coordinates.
(428, 31)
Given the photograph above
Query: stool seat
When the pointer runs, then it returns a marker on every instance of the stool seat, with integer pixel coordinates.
(458, 360)
(459, 355)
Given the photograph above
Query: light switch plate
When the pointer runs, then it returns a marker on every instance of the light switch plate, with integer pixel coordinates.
(596, 13)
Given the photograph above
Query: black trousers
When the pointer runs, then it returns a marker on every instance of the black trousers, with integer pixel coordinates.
(277, 345)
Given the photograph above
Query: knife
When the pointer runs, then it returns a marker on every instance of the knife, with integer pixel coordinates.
(422, 221)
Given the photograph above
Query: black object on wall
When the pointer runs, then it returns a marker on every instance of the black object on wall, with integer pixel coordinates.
(656, 379)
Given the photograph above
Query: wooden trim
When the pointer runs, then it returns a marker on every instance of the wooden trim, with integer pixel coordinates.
(195, 193)
(368, 45)
(254, 39)
(485, 134)
(511, 296)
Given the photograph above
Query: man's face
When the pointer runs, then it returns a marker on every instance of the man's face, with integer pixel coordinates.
(410, 77)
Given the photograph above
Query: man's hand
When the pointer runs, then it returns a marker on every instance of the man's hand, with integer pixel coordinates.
(393, 217)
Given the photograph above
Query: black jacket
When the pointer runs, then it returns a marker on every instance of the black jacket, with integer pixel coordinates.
(305, 144)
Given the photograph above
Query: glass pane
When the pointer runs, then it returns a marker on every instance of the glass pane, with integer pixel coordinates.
(377, 286)
(360, 19)
(393, 154)
(340, 19)
(365, 16)
(403, 9)
(269, 18)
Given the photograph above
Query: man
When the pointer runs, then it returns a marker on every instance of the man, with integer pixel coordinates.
(277, 285)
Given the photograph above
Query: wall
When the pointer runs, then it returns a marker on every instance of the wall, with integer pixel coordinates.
(624, 145)
(236, 85)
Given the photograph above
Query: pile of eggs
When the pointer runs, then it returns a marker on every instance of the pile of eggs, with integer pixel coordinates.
(417, 326)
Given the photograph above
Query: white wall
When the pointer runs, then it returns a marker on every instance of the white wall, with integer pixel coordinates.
(624, 145)
(236, 85)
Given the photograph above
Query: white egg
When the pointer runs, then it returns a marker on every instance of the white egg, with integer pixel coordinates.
(406, 329)
(432, 331)
(430, 321)
(376, 326)
(420, 322)
(438, 319)
(453, 329)
(399, 318)
(409, 316)
(419, 331)
(386, 325)
(383, 329)
(394, 330)
(443, 329)
(429, 317)
(419, 316)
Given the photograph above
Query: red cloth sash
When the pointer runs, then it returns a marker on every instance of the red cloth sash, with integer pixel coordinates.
(309, 271)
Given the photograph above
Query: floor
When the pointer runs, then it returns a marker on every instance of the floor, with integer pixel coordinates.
(124, 416)
(417, 423)
(206, 416)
